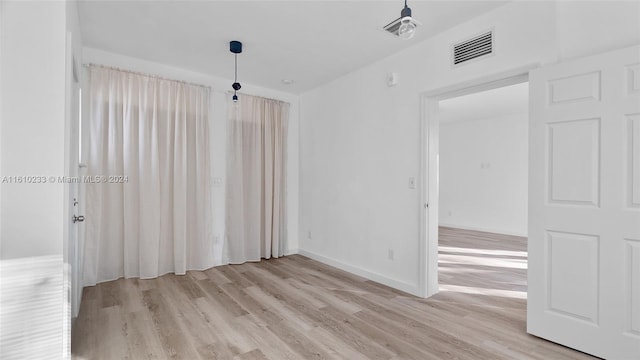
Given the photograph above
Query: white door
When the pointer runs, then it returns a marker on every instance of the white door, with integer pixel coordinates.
(584, 204)
(72, 182)
(76, 212)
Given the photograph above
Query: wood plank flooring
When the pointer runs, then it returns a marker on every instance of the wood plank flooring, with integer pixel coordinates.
(297, 308)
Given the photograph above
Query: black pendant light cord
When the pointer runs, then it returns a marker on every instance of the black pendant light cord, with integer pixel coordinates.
(235, 47)
(406, 12)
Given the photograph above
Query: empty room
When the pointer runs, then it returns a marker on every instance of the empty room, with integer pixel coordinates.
(483, 164)
(320, 179)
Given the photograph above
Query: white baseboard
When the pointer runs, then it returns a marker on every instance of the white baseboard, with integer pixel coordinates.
(291, 252)
(412, 289)
(483, 229)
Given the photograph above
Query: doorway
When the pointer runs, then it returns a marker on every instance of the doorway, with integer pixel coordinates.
(430, 162)
(583, 233)
(483, 192)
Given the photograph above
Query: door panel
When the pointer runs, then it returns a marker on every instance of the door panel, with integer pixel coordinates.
(633, 194)
(584, 204)
(633, 256)
(572, 271)
(633, 78)
(574, 162)
(576, 88)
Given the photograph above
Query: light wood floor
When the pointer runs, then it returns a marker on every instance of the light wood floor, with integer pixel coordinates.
(297, 308)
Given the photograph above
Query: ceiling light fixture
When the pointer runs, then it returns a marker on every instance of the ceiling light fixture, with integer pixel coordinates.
(236, 48)
(405, 26)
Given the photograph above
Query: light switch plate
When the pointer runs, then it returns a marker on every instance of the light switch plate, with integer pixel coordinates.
(412, 183)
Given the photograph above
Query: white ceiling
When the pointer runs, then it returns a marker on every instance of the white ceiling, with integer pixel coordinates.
(310, 42)
(493, 103)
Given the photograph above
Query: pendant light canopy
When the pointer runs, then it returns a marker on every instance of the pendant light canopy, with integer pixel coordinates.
(236, 48)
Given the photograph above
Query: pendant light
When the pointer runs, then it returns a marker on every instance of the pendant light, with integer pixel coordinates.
(407, 26)
(403, 27)
(236, 48)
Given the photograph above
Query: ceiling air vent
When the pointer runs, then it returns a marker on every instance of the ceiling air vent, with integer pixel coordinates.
(473, 48)
(393, 27)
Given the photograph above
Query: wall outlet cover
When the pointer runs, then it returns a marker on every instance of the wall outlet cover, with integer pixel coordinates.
(392, 79)
(412, 183)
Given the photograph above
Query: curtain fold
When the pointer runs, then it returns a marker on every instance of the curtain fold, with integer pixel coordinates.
(150, 212)
(256, 179)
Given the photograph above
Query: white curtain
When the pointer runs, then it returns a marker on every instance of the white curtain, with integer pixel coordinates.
(256, 224)
(150, 211)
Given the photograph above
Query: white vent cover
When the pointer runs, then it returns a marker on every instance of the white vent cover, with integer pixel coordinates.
(473, 48)
(393, 27)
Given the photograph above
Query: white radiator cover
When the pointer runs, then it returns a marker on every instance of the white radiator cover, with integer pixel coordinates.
(33, 309)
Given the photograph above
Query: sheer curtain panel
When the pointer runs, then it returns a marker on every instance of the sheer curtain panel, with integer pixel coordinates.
(149, 208)
(256, 224)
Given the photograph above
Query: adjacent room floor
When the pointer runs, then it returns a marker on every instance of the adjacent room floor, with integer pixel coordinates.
(297, 308)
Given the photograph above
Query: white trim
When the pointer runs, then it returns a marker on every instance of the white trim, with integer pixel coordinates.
(412, 289)
(427, 252)
(428, 187)
(67, 230)
(423, 204)
(291, 252)
(493, 81)
(482, 229)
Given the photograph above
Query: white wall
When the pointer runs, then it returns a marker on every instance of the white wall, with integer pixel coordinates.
(32, 143)
(360, 139)
(1, 110)
(218, 128)
(33, 127)
(483, 174)
(591, 27)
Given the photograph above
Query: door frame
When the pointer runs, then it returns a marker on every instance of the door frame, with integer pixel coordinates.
(429, 144)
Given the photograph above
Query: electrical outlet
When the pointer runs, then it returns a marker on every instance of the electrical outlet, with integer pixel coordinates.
(390, 254)
(216, 181)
